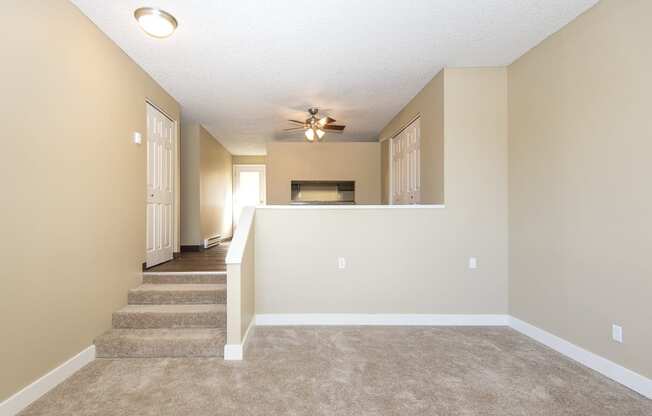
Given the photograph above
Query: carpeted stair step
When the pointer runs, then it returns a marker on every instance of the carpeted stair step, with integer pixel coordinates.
(172, 278)
(167, 294)
(170, 316)
(140, 343)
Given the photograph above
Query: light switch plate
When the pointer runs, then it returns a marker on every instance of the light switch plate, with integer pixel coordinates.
(138, 138)
(617, 333)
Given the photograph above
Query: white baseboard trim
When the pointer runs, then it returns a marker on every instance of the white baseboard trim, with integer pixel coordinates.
(235, 352)
(316, 319)
(38, 388)
(616, 372)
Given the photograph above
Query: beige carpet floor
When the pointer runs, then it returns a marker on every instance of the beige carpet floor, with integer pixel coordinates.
(351, 371)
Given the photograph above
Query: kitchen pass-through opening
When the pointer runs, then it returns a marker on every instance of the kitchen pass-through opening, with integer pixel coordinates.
(323, 192)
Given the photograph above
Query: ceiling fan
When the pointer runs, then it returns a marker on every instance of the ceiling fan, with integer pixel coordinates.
(315, 127)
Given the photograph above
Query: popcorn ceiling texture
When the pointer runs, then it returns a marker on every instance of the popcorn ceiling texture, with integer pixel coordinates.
(242, 68)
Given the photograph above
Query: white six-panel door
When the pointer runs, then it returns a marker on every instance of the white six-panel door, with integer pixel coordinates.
(161, 132)
(406, 165)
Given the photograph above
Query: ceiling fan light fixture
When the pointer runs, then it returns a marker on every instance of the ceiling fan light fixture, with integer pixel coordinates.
(315, 127)
(155, 22)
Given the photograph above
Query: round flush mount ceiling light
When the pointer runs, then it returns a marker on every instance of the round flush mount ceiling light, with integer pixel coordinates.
(156, 22)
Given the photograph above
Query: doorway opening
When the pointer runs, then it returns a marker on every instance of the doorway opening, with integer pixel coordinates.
(248, 188)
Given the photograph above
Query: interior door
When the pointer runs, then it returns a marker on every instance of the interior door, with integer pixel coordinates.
(161, 132)
(406, 165)
(413, 158)
(248, 188)
(398, 176)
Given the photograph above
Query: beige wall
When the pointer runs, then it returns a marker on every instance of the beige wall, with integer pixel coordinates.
(248, 284)
(399, 260)
(207, 182)
(249, 160)
(323, 161)
(190, 201)
(216, 183)
(428, 104)
(580, 183)
(73, 184)
(404, 260)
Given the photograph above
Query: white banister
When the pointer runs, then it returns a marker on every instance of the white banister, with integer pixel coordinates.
(241, 235)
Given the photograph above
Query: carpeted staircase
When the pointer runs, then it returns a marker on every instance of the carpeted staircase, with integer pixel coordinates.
(169, 315)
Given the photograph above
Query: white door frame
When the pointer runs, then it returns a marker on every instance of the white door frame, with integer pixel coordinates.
(237, 168)
(174, 179)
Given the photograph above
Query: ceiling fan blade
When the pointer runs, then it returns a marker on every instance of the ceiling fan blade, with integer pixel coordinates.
(333, 127)
(297, 121)
(326, 120)
(294, 129)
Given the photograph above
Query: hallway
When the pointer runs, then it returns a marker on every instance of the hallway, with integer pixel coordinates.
(209, 260)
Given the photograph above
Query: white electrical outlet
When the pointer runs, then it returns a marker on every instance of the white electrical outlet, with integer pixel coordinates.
(473, 263)
(617, 333)
(341, 263)
(138, 138)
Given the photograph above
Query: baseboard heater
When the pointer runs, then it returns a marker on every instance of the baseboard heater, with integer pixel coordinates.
(212, 241)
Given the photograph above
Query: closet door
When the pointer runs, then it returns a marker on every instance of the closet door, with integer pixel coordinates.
(398, 172)
(161, 139)
(406, 169)
(413, 157)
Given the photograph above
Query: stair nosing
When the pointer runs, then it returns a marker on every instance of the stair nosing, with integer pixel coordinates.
(199, 287)
(214, 273)
(156, 333)
(173, 308)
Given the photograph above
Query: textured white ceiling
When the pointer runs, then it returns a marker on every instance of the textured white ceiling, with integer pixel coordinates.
(242, 67)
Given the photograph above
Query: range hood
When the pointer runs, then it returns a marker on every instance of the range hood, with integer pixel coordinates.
(323, 192)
